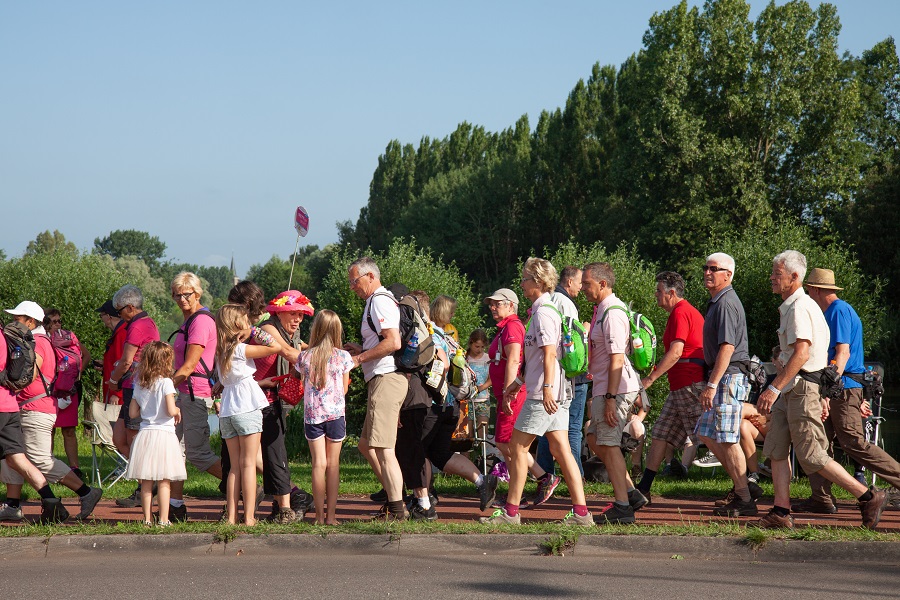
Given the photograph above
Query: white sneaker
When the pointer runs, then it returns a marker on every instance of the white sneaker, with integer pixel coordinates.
(9, 513)
(707, 461)
(573, 519)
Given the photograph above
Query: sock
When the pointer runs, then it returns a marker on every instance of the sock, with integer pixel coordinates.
(480, 481)
(46, 493)
(580, 509)
(14, 502)
(782, 512)
(866, 497)
(544, 477)
(396, 507)
(646, 481)
(424, 502)
(512, 509)
(621, 504)
(743, 494)
(176, 502)
(83, 491)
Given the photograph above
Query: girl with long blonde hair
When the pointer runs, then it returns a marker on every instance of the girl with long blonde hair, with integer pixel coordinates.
(325, 368)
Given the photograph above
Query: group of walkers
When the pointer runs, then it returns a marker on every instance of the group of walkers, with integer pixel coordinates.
(156, 397)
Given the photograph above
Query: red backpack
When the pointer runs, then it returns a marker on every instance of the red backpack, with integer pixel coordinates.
(68, 362)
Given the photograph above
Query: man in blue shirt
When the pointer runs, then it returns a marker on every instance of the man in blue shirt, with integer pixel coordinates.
(844, 420)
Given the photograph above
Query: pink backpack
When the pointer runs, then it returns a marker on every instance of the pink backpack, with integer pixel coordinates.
(68, 362)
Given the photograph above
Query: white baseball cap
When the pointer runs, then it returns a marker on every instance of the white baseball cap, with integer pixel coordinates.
(28, 309)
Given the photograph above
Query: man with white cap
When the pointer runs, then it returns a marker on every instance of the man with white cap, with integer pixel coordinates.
(38, 416)
(844, 421)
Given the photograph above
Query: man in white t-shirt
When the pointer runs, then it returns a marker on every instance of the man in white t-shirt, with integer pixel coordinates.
(387, 389)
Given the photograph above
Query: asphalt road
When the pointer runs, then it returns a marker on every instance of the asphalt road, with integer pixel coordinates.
(235, 573)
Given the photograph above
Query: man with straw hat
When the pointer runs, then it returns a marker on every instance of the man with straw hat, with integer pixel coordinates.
(844, 422)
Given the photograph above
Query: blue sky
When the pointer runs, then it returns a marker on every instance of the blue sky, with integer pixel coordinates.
(206, 123)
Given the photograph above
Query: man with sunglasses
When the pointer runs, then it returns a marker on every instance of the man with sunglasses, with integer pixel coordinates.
(128, 303)
(727, 357)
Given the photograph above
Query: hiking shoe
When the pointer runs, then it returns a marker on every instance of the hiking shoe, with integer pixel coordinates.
(737, 508)
(728, 499)
(301, 502)
(545, 488)
(488, 491)
(574, 519)
(130, 501)
(286, 516)
(10, 513)
(615, 515)
(811, 505)
(53, 511)
(417, 513)
(88, 502)
(386, 515)
(773, 520)
(677, 469)
(178, 514)
(379, 497)
(637, 500)
(500, 517)
(871, 510)
(707, 461)
(756, 492)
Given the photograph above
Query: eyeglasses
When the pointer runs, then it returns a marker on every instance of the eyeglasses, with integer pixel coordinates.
(353, 282)
(712, 269)
(182, 296)
(120, 310)
(56, 321)
(524, 279)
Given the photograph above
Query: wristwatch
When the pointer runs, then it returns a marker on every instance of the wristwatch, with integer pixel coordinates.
(609, 396)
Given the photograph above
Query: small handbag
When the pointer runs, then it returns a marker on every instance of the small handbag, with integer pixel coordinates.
(290, 389)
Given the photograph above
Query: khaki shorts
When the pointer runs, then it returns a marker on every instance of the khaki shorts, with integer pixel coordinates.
(37, 435)
(386, 395)
(797, 417)
(604, 434)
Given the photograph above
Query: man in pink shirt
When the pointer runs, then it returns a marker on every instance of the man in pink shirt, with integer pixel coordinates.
(141, 330)
(615, 388)
(37, 418)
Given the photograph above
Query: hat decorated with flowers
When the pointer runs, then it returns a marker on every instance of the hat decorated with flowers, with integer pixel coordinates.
(288, 301)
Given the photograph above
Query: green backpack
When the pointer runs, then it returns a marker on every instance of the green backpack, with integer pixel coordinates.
(643, 338)
(574, 358)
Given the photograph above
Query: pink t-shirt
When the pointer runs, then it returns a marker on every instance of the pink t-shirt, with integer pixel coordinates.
(202, 332)
(141, 331)
(8, 402)
(47, 404)
(611, 336)
(326, 404)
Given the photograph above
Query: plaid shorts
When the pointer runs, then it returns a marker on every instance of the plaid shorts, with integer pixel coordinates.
(722, 422)
(679, 415)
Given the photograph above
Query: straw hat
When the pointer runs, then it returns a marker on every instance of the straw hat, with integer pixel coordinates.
(822, 278)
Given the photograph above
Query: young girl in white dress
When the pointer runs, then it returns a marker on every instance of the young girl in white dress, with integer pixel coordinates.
(155, 452)
(240, 415)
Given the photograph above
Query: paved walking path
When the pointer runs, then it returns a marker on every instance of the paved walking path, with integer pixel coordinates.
(460, 509)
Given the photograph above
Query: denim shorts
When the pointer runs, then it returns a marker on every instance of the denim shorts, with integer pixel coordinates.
(334, 431)
(242, 424)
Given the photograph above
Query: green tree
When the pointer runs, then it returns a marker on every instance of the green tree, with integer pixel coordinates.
(129, 242)
(48, 243)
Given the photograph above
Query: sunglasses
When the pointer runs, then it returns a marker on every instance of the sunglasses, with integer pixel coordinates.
(712, 269)
(56, 321)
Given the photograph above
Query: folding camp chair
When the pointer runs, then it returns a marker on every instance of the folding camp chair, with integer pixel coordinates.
(872, 423)
(105, 458)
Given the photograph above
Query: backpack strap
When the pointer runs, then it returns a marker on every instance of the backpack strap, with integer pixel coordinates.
(185, 330)
(39, 396)
(369, 318)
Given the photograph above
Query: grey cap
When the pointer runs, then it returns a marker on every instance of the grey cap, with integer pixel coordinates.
(503, 294)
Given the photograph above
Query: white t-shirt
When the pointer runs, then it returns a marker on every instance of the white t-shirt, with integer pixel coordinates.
(542, 330)
(241, 394)
(152, 401)
(385, 315)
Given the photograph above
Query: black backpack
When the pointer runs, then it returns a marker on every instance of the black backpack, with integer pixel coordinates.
(412, 321)
(207, 371)
(20, 357)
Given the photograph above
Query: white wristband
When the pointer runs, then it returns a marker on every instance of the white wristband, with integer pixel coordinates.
(774, 390)
(519, 381)
(711, 385)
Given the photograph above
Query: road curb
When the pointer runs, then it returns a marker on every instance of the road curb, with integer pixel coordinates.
(680, 547)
